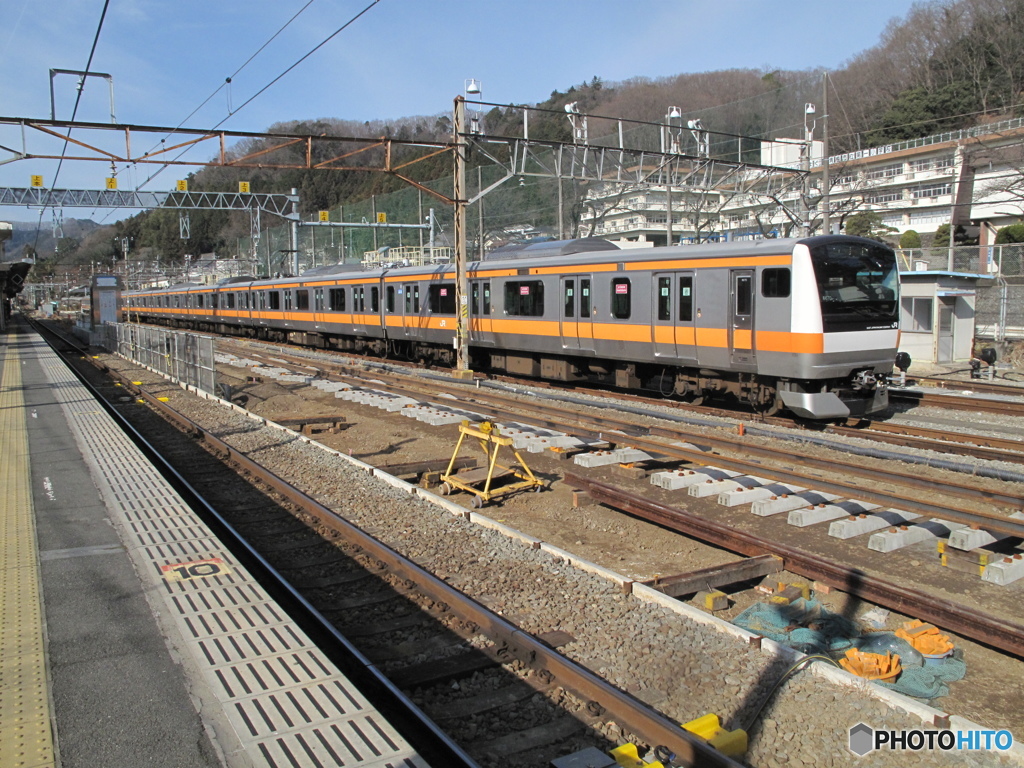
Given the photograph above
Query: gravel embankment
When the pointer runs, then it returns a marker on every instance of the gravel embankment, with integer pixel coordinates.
(683, 668)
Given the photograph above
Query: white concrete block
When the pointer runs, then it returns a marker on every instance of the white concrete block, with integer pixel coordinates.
(823, 513)
(972, 538)
(767, 507)
(893, 539)
(684, 478)
(750, 495)
(876, 521)
(716, 487)
(1006, 571)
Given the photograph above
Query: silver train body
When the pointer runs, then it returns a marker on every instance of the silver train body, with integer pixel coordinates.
(809, 325)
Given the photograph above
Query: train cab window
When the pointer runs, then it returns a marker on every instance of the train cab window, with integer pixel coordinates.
(775, 283)
(664, 298)
(569, 298)
(441, 298)
(336, 297)
(584, 297)
(622, 299)
(375, 299)
(389, 298)
(302, 299)
(524, 298)
(686, 298)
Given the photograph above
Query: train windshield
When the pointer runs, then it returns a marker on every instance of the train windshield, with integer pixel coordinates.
(858, 283)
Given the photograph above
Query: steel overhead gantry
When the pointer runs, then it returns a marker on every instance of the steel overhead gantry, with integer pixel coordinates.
(279, 205)
(277, 151)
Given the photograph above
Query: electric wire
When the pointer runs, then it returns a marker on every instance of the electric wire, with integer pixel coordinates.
(74, 113)
(258, 93)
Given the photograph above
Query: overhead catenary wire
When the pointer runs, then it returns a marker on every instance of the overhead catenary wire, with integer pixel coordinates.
(74, 113)
(262, 90)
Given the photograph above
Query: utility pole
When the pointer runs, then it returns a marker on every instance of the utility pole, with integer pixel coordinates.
(295, 234)
(462, 370)
(826, 219)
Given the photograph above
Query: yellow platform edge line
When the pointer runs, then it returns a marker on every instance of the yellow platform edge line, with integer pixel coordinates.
(26, 736)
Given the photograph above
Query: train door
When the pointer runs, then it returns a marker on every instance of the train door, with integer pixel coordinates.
(741, 312)
(944, 340)
(411, 306)
(480, 310)
(672, 304)
(664, 316)
(686, 334)
(576, 322)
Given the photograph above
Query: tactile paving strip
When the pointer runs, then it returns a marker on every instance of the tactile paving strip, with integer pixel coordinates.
(288, 705)
(26, 740)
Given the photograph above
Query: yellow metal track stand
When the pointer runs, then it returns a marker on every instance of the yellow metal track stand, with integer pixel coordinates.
(491, 441)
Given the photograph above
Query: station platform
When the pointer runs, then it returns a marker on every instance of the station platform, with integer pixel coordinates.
(129, 635)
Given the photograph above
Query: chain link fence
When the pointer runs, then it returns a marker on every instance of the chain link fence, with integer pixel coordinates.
(184, 357)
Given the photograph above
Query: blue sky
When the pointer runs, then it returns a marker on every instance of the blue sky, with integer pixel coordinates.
(400, 58)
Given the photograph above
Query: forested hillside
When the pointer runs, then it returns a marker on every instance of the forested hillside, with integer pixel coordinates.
(948, 64)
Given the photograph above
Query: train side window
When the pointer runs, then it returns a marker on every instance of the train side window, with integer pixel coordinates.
(686, 298)
(214, 300)
(200, 301)
(441, 298)
(337, 299)
(743, 297)
(622, 299)
(664, 298)
(524, 298)
(375, 299)
(775, 283)
(584, 297)
(302, 299)
(389, 298)
(569, 298)
(274, 299)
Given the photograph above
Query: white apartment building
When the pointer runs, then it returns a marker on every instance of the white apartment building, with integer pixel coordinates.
(918, 184)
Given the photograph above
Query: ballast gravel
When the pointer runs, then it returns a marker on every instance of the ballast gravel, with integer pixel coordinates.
(682, 668)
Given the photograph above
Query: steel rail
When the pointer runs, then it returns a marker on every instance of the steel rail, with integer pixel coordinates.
(434, 742)
(959, 402)
(968, 622)
(633, 714)
(748, 457)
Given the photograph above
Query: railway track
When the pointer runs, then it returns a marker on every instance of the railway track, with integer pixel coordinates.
(879, 483)
(426, 637)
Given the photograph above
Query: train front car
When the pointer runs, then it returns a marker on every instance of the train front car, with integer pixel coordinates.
(849, 289)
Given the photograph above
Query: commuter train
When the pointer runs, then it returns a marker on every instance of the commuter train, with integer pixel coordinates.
(809, 325)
